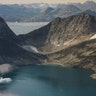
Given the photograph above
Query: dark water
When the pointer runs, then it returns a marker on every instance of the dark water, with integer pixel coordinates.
(49, 81)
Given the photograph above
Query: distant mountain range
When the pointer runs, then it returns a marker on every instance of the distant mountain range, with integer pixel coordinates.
(38, 12)
(49, 14)
(88, 5)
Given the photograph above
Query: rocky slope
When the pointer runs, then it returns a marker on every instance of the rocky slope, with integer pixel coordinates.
(82, 54)
(60, 32)
(6, 32)
(11, 52)
(69, 42)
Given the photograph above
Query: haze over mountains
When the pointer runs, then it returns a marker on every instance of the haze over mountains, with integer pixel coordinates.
(41, 11)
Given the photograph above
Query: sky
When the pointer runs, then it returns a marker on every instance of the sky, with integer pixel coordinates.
(40, 1)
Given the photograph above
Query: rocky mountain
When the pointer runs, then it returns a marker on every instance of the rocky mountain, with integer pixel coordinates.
(93, 13)
(68, 10)
(69, 42)
(59, 32)
(17, 12)
(24, 12)
(43, 5)
(11, 52)
(6, 33)
(81, 54)
(88, 5)
(38, 11)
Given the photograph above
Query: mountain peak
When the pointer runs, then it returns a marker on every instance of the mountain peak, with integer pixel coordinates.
(88, 17)
(89, 2)
(49, 9)
(60, 31)
(6, 32)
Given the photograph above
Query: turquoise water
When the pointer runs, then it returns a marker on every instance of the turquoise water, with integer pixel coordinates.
(22, 28)
(49, 81)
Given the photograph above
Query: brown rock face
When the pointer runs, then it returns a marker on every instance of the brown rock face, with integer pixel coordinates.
(59, 31)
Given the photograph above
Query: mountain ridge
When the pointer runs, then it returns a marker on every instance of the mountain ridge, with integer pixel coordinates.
(67, 42)
(59, 31)
(10, 50)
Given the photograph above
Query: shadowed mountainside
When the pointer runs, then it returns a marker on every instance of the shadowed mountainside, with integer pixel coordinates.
(11, 52)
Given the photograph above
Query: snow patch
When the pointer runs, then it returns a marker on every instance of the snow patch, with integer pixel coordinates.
(93, 37)
(30, 48)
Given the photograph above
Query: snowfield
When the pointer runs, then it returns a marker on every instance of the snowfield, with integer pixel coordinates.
(93, 37)
(30, 48)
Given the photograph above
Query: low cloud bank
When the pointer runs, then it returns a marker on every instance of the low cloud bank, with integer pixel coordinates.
(5, 68)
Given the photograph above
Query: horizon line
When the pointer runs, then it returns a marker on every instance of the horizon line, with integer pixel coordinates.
(45, 3)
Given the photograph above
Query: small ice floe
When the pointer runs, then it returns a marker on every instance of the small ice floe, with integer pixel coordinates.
(5, 80)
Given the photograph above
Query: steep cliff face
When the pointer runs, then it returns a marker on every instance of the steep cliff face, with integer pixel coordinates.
(60, 32)
(11, 52)
(6, 33)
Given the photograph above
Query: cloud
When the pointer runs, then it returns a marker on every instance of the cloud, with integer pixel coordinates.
(4, 68)
(38, 1)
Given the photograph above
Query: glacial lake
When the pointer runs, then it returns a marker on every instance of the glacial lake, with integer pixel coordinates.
(23, 28)
(40, 80)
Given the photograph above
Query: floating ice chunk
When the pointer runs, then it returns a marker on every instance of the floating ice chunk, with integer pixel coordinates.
(5, 80)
